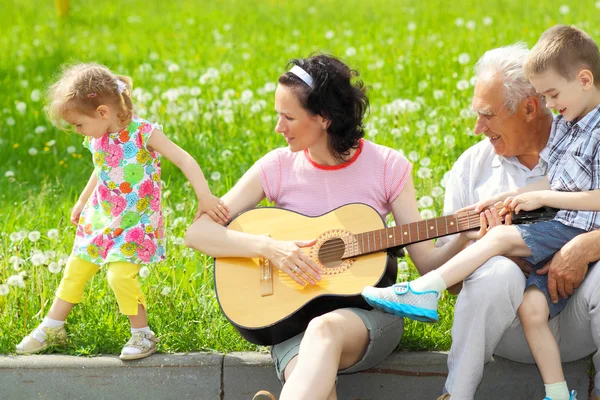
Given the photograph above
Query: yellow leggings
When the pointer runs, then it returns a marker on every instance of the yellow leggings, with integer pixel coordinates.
(122, 279)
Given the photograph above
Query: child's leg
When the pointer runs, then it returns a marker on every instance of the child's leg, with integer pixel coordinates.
(70, 292)
(534, 313)
(122, 278)
(419, 298)
(499, 241)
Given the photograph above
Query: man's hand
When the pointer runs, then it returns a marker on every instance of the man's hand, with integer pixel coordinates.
(566, 270)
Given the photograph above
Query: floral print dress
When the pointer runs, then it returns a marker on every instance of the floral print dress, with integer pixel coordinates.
(122, 219)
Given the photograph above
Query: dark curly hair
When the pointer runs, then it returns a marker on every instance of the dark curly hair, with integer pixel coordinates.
(334, 97)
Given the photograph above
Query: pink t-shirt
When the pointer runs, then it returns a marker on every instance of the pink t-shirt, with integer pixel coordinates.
(375, 176)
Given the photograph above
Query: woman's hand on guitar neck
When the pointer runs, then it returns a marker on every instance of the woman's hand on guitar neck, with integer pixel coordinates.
(289, 258)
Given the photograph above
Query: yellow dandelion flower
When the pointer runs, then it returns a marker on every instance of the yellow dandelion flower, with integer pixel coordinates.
(16, 145)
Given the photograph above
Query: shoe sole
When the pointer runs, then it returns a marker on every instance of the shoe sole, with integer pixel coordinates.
(41, 348)
(263, 395)
(129, 357)
(403, 310)
(31, 352)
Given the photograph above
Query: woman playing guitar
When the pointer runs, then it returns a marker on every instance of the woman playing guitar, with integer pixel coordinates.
(327, 164)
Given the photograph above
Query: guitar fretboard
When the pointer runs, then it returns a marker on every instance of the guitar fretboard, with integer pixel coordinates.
(402, 235)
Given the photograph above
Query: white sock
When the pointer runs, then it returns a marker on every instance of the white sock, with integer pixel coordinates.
(144, 329)
(39, 334)
(52, 323)
(133, 350)
(557, 391)
(430, 281)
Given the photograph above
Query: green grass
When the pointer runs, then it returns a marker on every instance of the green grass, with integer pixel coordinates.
(403, 49)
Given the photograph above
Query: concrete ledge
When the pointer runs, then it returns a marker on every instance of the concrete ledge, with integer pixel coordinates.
(237, 376)
(54, 377)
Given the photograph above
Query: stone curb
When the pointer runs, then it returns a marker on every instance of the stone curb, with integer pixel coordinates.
(237, 376)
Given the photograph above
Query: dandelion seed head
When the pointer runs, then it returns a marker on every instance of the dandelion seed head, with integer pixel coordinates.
(34, 236)
(16, 281)
(54, 268)
(437, 191)
(144, 272)
(427, 214)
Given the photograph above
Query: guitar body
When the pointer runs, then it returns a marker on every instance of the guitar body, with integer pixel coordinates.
(267, 306)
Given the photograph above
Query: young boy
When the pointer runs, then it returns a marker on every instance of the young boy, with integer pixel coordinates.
(564, 68)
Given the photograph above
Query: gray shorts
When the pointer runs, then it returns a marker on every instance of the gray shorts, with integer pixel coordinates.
(385, 332)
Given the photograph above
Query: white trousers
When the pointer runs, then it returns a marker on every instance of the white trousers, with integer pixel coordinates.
(486, 323)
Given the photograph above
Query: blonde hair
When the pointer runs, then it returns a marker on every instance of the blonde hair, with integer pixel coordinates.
(86, 86)
(568, 50)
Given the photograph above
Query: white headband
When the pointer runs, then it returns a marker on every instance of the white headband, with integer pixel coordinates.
(302, 74)
(121, 86)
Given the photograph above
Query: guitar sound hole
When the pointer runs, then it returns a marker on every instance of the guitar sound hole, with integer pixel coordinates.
(331, 252)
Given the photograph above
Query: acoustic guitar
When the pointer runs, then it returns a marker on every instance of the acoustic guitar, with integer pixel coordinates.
(267, 306)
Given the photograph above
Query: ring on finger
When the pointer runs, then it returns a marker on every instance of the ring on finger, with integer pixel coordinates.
(295, 269)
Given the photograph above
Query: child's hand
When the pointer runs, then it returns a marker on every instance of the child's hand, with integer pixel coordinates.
(214, 207)
(524, 202)
(76, 212)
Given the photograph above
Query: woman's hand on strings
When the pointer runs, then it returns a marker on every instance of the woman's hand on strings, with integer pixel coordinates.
(289, 258)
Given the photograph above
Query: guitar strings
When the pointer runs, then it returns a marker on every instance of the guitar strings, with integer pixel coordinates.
(335, 248)
(329, 250)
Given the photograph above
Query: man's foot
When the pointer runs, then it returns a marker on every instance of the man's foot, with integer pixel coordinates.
(263, 395)
(141, 345)
(41, 338)
(401, 300)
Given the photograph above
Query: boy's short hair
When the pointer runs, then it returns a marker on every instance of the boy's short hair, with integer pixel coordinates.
(568, 50)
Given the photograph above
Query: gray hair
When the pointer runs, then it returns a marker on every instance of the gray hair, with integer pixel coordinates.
(509, 62)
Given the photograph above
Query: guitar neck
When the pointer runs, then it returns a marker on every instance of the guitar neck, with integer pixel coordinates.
(402, 235)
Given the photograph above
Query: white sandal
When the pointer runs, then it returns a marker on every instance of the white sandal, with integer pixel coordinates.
(30, 345)
(137, 341)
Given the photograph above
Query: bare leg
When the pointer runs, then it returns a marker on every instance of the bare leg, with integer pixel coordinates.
(60, 309)
(290, 368)
(140, 320)
(500, 241)
(333, 341)
(534, 313)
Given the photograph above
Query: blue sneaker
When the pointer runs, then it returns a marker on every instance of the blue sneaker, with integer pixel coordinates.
(401, 300)
(572, 397)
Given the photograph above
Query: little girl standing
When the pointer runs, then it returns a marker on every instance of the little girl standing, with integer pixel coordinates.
(118, 214)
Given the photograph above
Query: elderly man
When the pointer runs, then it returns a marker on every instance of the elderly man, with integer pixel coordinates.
(517, 127)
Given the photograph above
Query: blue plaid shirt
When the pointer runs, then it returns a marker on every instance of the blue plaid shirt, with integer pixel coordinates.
(573, 157)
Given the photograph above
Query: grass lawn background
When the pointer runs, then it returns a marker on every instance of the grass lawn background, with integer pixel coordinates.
(207, 72)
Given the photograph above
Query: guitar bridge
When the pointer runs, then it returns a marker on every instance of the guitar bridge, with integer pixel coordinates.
(266, 277)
